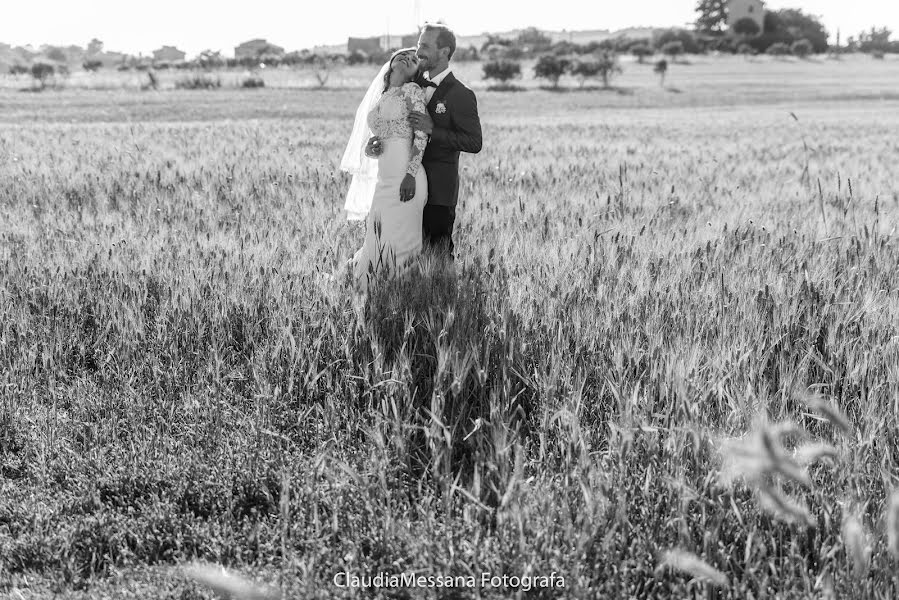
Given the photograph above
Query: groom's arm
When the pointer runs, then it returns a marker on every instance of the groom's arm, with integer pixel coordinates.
(465, 136)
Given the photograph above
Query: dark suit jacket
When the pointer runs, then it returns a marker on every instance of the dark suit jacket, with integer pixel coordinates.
(457, 128)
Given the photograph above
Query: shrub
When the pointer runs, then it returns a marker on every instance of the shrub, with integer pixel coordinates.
(551, 68)
(723, 44)
(18, 70)
(198, 81)
(689, 45)
(641, 51)
(801, 48)
(778, 49)
(878, 54)
(92, 65)
(747, 50)
(208, 59)
(502, 70)
(253, 82)
(513, 53)
(673, 49)
(357, 57)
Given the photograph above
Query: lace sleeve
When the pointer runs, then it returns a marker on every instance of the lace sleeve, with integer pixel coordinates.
(415, 101)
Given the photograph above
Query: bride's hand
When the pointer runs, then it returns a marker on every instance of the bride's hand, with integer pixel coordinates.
(373, 149)
(407, 188)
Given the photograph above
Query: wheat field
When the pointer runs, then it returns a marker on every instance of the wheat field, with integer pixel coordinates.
(667, 366)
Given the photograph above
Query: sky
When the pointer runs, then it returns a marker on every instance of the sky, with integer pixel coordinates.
(196, 25)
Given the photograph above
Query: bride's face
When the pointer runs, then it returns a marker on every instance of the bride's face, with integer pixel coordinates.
(406, 64)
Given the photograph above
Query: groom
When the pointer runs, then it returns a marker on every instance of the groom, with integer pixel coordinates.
(453, 125)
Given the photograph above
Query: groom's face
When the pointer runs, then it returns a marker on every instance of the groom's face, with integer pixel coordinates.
(428, 54)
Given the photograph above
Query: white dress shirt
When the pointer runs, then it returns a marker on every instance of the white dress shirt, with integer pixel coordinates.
(429, 91)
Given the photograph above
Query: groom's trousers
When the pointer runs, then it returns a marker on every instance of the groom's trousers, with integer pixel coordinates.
(437, 222)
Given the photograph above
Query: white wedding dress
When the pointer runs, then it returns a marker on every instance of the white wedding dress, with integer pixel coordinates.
(393, 229)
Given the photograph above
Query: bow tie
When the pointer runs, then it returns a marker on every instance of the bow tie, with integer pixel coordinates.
(425, 83)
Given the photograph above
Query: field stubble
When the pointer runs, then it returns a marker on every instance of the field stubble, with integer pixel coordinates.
(636, 287)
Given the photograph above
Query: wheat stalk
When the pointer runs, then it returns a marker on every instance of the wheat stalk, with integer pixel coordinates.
(687, 562)
(828, 411)
(227, 585)
(892, 524)
(855, 541)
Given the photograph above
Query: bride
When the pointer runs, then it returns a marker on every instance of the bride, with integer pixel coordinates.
(389, 191)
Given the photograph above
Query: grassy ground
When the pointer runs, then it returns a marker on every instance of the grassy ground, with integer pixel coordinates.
(643, 278)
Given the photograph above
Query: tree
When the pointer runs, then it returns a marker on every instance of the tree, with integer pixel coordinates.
(57, 54)
(532, 40)
(712, 16)
(494, 40)
(583, 70)
(797, 25)
(41, 72)
(801, 48)
(661, 68)
(469, 53)
(673, 49)
(502, 70)
(563, 48)
(747, 27)
(209, 59)
(323, 66)
(876, 39)
(605, 66)
(94, 47)
(641, 51)
(551, 68)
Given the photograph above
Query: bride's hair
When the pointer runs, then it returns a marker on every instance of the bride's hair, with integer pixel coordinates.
(390, 65)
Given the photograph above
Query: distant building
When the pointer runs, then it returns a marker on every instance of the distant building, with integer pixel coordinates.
(111, 59)
(371, 45)
(376, 45)
(257, 48)
(168, 54)
(745, 9)
(399, 41)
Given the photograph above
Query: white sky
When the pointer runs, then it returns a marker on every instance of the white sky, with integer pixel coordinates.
(194, 25)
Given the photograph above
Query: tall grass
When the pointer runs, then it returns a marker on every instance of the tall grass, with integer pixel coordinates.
(179, 383)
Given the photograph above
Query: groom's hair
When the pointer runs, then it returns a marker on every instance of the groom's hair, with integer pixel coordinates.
(445, 37)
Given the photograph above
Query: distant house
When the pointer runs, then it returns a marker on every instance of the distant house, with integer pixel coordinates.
(257, 48)
(111, 59)
(376, 45)
(371, 45)
(738, 10)
(399, 41)
(168, 54)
